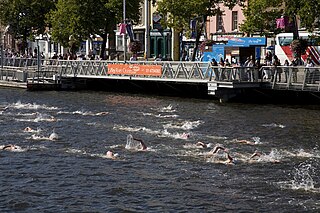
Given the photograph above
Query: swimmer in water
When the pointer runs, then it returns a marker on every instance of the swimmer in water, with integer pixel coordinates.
(229, 159)
(51, 119)
(246, 142)
(2, 109)
(53, 136)
(201, 144)
(11, 147)
(28, 129)
(102, 113)
(135, 143)
(110, 155)
(143, 145)
(260, 156)
(185, 135)
(217, 148)
(255, 154)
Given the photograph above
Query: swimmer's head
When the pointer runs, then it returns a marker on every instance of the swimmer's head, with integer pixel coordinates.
(53, 136)
(186, 135)
(109, 154)
(27, 129)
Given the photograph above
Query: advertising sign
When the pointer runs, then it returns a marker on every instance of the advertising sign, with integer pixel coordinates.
(217, 53)
(246, 41)
(134, 69)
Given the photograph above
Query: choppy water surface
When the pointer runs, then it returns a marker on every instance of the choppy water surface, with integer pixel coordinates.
(72, 173)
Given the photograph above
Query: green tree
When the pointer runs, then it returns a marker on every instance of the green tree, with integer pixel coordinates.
(76, 20)
(179, 13)
(260, 15)
(25, 18)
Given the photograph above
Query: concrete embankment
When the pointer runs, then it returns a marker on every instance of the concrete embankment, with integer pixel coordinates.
(194, 90)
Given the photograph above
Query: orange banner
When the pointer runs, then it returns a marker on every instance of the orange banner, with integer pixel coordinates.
(134, 69)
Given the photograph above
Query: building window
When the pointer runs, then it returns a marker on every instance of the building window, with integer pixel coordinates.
(219, 23)
(234, 20)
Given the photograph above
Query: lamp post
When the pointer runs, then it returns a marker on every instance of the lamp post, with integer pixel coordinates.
(45, 37)
(2, 44)
(39, 37)
(125, 34)
(2, 56)
(147, 32)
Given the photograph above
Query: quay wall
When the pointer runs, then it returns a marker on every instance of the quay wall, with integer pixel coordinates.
(195, 90)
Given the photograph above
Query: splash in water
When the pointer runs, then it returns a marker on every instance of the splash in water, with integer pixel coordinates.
(274, 125)
(20, 105)
(185, 125)
(303, 179)
(168, 108)
(134, 144)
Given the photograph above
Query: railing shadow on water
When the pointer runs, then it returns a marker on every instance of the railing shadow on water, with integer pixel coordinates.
(280, 77)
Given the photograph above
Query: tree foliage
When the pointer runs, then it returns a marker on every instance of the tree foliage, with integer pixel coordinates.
(77, 20)
(25, 18)
(179, 13)
(261, 15)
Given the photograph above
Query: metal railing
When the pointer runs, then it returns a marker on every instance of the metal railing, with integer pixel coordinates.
(281, 77)
(292, 77)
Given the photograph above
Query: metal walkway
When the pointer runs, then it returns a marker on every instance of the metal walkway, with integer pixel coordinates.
(276, 78)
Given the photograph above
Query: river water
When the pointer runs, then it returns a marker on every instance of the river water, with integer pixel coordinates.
(72, 173)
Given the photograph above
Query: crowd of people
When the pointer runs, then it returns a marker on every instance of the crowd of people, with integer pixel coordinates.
(273, 68)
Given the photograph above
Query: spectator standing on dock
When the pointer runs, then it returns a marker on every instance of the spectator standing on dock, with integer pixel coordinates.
(286, 70)
(221, 62)
(309, 71)
(133, 57)
(214, 62)
(267, 71)
(214, 67)
(184, 56)
(276, 71)
(227, 63)
(268, 58)
(309, 63)
(249, 64)
(296, 62)
(221, 69)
